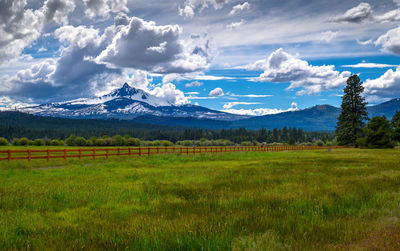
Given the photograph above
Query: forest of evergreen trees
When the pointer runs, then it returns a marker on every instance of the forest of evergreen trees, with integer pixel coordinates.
(18, 125)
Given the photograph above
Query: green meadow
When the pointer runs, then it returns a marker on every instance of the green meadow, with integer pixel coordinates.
(310, 200)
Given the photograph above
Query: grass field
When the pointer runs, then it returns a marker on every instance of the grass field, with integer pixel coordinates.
(344, 199)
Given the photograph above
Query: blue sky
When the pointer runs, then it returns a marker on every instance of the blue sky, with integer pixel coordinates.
(248, 57)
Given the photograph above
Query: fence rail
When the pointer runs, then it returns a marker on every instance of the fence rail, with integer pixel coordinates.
(29, 154)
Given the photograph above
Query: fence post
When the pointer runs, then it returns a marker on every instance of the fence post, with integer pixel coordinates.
(157, 150)
(187, 150)
(9, 154)
(107, 153)
(65, 154)
(129, 151)
(140, 151)
(80, 153)
(29, 155)
(148, 151)
(118, 151)
(48, 154)
(94, 153)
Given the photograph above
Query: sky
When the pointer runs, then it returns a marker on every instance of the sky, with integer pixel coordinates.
(252, 57)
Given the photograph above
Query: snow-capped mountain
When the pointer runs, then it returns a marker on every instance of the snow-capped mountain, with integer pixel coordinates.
(125, 103)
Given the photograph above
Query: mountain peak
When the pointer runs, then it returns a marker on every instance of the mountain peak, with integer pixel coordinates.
(126, 86)
(125, 91)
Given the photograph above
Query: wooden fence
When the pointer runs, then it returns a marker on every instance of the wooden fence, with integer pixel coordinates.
(29, 154)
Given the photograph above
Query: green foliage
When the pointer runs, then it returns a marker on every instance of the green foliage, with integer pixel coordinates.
(319, 143)
(38, 142)
(70, 141)
(166, 143)
(16, 125)
(133, 142)
(16, 142)
(378, 133)
(118, 140)
(350, 123)
(396, 126)
(246, 143)
(3, 141)
(80, 141)
(56, 142)
(187, 143)
(24, 141)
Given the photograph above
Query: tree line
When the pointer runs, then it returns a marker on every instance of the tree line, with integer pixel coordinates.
(188, 137)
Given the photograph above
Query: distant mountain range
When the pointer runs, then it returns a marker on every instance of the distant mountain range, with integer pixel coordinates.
(317, 118)
(128, 103)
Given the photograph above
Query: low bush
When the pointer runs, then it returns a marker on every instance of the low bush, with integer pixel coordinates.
(3, 141)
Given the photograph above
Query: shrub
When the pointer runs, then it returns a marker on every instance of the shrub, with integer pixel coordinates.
(187, 143)
(90, 142)
(107, 141)
(60, 142)
(16, 142)
(166, 143)
(205, 143)
(70, 141)
(24, 141)
(99, 142)
(378, 134)
(147, 143)
(118, 140)
(3, 141)
(38, 142)
(319, 143)
(246, 143)
(396, 126)
(157, 143)
(133, 142)
(80, 141)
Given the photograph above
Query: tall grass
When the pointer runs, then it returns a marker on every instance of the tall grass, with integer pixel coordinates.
(345, 199)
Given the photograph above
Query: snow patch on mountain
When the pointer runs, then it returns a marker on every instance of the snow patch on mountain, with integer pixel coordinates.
(126, 103)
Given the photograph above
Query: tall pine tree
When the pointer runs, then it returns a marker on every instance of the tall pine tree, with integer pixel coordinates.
(352, 119)
(396, 126)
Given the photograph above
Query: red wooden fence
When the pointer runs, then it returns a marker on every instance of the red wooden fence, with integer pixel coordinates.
(80, 153)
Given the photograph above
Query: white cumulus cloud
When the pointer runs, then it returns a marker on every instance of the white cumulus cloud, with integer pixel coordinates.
(239, 8)
(385, 87)
(169, 93)
(192, 6)
(358, 14)
(103, 8)
(390, 41)
(147, 46)
(281, 67)
(235, 25)
(261, 111)
(217, 92)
